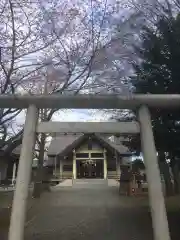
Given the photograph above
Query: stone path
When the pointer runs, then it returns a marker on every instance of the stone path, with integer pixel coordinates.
(65, 183)
(90, 184)
(92, 212)
(113, 183)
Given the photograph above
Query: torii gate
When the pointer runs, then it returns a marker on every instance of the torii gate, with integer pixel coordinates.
(140, 102)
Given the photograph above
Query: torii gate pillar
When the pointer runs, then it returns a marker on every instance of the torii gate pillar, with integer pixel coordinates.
(158, 210)
(16, 231)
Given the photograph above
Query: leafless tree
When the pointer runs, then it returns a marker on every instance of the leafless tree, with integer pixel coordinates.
(21, 42)
(60, 47)
(87, 57)
(72, 60)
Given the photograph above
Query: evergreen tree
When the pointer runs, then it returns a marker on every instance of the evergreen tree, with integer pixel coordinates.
(159, 73)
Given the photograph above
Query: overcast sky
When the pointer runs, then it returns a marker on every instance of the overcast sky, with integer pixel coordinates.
(71, 115)
(80, 115)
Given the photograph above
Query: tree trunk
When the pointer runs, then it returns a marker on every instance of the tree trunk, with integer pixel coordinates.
(46, 180)
(176, 177)
(164, 168)
(39, 173)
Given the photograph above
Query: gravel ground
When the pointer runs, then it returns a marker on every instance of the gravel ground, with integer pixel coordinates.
(96, 212)
(89, 214)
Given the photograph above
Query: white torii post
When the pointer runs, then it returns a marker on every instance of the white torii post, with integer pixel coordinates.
(16, 230)
(74, 166)
(158, 210)
(14, 174)
(61, 161)
(105, 164)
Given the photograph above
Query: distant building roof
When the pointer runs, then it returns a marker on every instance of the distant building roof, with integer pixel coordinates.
(118, 147)
(65, 143)
(60, 143)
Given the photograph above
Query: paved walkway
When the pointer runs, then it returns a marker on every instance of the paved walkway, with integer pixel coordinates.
(93, 212)
(65, 183)
(89, 210)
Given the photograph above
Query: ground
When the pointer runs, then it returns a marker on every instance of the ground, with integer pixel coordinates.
(91, 211)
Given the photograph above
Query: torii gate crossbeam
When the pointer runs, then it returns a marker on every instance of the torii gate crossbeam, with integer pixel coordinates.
(83, 101)
(89, 127)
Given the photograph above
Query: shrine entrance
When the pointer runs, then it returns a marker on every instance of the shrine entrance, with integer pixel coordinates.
(139, 102)
(89, 168)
